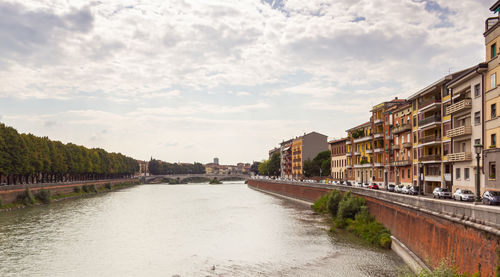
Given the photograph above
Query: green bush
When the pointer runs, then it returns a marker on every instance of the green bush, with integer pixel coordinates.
(44, 196)
(107, 186)
(26, 198)
(349, 206)
(85, 188)
(365, 226)
(444, 269)
(320, 205)
(0, 203)
(77, 189)
(333, 202)
(92, 188)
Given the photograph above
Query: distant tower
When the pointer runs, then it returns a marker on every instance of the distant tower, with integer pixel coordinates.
(216, 161)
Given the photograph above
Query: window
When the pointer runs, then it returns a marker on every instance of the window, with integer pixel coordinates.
(477, 90)
(380, 173)
(409, 174)
(493, 170)
(466, 173)
(457, 174)
(493, 80)
(493, 111)
(402, 173)
(477, 118)
(493, 49)
(477, 141)
(493, 140)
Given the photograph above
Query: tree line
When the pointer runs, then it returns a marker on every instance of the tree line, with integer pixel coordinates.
(26, 158)
(157, 167)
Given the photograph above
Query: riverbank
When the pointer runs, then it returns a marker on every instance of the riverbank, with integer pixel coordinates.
(21, 198)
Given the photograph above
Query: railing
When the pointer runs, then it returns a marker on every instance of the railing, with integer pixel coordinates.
(395, 147)
(459, 131)
(378, 135)
(402, 128)
(426, 103)
(379, 149)
(369, 137)
(490, 22)
(428, 158)
(378, 120)
(357, 153)
(429, 139)
(464, 104)
(407, 144)
(401, 163)
(348, 154)
(459, 157)
(348, 142)
(369, 151)
(430, 119)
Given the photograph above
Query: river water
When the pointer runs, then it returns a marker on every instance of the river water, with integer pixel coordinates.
(185, 230)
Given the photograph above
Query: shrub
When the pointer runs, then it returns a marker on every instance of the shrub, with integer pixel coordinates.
(0, 203)
(320, 205)
(349, 206)
(107, 186)
(85, 188)
(333, 202)
(44, 196)
(26, 198)
(365, 226)
(77, 189)
(92, 188)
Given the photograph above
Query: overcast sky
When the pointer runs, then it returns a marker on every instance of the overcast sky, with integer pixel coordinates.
(192, 80)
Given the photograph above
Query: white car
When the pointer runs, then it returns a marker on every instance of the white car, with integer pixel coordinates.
(399, 188)
(406, 190)
(358, 184)
(441, 193)
(463, 195)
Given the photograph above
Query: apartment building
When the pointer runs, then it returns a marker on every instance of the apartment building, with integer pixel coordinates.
(466, 130)
(359, 153)
(491, 101)
(399, 146)
(338, 158)
(295, 151)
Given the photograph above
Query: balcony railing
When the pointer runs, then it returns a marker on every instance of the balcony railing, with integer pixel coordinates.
(348, 154)
(407, 145)
(378, 135)
(428, 139)
(378, 150)
(357, 153)
(462, 105)
(402, 128)
(490, 22)
(348, 142)
(428, 158)
(459, 157)
(401, 163)
(428, 102)
(431, 119)
(459, 131)
(395, 146)
(366, 138)
(369, 151)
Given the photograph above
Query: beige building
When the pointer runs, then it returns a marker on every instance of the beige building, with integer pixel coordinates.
(338, 158)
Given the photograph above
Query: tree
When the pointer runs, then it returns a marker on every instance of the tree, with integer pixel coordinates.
(274, 165)
(255, 167)
(319, 166)
(264, 168)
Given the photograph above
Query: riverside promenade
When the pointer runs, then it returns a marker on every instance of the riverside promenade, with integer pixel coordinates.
(431, 229)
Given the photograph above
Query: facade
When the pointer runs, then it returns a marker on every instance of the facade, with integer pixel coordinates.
(491, 102)
(338, 158)
(216, 161)
(359, 150)
(466, 126)
(295, 151)
(399, 145)
(273, 151)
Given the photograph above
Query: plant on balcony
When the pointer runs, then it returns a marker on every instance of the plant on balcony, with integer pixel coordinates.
(492, 176)
(492, 146)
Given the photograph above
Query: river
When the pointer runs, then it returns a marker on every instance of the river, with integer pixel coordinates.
(185, 230)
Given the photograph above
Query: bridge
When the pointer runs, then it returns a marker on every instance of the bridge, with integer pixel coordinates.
(181, 178)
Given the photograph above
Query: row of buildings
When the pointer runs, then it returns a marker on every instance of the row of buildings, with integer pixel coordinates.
(438, 131)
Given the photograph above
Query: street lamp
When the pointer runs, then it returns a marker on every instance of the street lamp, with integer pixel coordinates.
(478, 148)
(420, 173)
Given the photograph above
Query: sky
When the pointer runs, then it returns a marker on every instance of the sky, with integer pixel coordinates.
(186, 81)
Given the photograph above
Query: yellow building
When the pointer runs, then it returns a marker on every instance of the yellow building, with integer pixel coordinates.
(297, 157)
(359, 153)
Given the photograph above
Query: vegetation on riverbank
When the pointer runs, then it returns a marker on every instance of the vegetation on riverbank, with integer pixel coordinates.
(45, 196)
(351, 213)
(444, 269)
(214, 181)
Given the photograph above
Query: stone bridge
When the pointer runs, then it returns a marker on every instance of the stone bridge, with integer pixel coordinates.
(205, 177)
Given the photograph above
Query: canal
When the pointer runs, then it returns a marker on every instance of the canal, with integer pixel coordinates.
(185, 230)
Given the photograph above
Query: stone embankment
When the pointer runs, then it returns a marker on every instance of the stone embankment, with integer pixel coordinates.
(433, 230)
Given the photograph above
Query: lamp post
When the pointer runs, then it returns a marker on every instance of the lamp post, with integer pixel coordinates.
(420, 173)
(478, 148)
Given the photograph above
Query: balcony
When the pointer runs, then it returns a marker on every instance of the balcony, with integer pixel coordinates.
(367, 138)
(400, 129)
(348, 154)
(429, 139)
(430, 158)
(429, 120)
(490, 22)
(348, 166)
(427, 103)
(388, 137)
(459, 131)
(401, 163)
(378, 121)
(378, 150)
(407, 145)
(348, 142)
(460, 157)
(395, 147)
(459, 106)
(369, 151)
(357, 153)
(378, 136)
(378, 164)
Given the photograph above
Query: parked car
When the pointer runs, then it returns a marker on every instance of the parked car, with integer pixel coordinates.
(399, 189)
(463, 195)
(441, 193)
(406, 190)
(491, 197)
(358, 184)
(373, 186)
(366, 185)
(391, 187)
(414, 190)
(348, 184)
